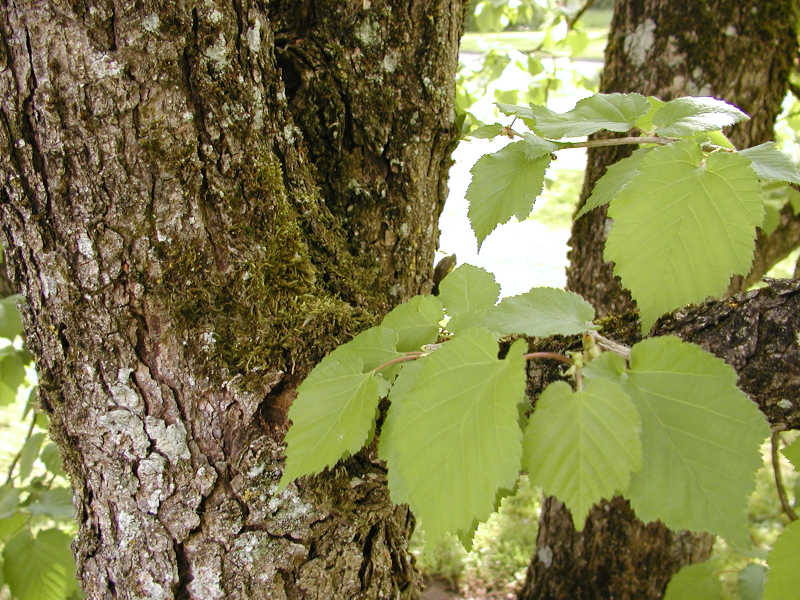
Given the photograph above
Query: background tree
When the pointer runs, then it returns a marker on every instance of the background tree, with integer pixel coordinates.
(199, 200)
(742, 52)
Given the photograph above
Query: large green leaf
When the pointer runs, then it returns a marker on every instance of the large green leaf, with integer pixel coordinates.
(694, 582)
(540, 312)
(10, 320)
(771, 164)
(467, 293)
(684, 116)
(614, 112)
(336, 404)
(416, 322)
(613, 181)
(504, 184)
(783, 578)
(683, 226)
(41, 567)
(10, 525)
(582, 446)
(700, 437)
(451, 437)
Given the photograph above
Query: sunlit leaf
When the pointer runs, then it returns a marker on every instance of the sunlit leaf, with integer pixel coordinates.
(467, 293)
(684, 116)
(416, 322)
(701, 439)
(541, 312)
(29, 453)
(451, 437)
(10, 320)
(613, 112)
(616, 177)
(55, 503)
(582, 446)
(504, 184)
(682, 226)
(771, 164)
(792, 452)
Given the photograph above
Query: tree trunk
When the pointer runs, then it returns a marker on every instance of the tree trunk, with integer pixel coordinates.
(738, 51)
(199, 200)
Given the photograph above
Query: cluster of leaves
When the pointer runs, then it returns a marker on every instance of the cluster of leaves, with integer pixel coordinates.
(661, 423)
(36, 513)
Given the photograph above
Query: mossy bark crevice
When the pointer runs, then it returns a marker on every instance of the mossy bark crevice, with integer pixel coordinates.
(192, 236)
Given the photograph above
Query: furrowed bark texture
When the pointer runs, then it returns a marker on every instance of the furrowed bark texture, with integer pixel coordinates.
(199, 200)
(738, 51)
(617, 556)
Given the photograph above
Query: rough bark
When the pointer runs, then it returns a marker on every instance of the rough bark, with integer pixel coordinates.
(199, 200)
(617, 556)
(741, 52)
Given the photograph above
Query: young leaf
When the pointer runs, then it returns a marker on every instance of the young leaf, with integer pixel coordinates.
(700, 438)
(451, 437)
(416, 322)
(336, 404)
(771, 164)
(487, 131)
(608, 366)
(645, 122)
(792, 452)
(39, 568)
(582, 446)
(55, 503)
(783, 578)
(521, 112)
(683, 226)
(684, 116)
(694, 582)
(541, 312)
(614, 112)
(504, 184)
(12, 373)
(467, 293)
(9, 500)
(613, 181)
(51, 458)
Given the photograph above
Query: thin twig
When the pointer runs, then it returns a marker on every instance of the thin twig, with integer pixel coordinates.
(586, 6)
(553, 355)
(399, 359)
(776, 469)
(623, 141)
(610, 345)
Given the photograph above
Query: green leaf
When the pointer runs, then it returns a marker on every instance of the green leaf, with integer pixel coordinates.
(751, 582)
(613, 181)
(614, 112)
(700, 438)
(684, 116)
(416, 322)
(9, 526)
(467, 292)
(645, 122)
(694, 582)
(686, 220)
(55, 503)
(792, 452)
(10, 320)
(487, 131)
(336, 404)
(582, 446)
(451, 438)
(29, 454)
(540, 312)
(504, 184)
(39, 568)
(783, 578)
(608, 366)
(9, 500)
(12, 374)
(521, 112)
(51, 457)
(771, 164)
